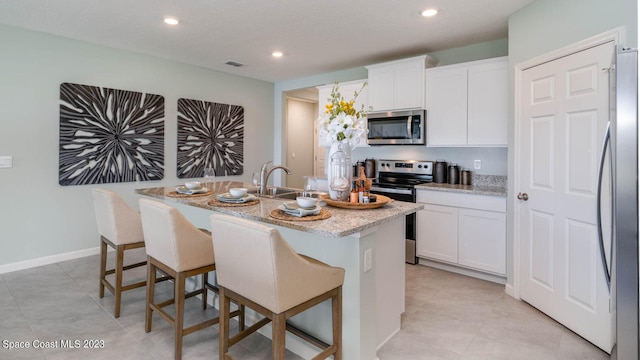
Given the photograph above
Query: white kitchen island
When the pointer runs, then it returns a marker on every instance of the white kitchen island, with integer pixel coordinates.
(373, 291)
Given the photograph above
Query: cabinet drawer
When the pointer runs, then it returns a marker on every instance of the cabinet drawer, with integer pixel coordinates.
(469, 201)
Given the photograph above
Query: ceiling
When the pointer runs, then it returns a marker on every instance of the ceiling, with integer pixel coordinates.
(315, 36)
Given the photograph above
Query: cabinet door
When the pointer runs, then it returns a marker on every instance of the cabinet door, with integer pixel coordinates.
(487, 101)
(381, 88)
(482, 241)
(437, 233)
(409, 85)
(446, 100)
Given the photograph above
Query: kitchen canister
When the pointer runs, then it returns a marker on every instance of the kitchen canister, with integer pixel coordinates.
(454, 174)
(440, 172)
(370, 168)
(465, 176)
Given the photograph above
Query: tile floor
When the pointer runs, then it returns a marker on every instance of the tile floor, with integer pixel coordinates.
(448, 316)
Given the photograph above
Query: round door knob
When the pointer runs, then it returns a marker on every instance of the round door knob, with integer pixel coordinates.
(523, 196)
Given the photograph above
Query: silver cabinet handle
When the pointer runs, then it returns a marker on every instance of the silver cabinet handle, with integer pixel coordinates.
(523, 196)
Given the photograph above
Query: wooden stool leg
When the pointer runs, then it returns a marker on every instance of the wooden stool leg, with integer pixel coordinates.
(241, 317)
(224, 323)
(179, 286)
(118, 285)
(151, 284)
(279, 325)
(103, 265)
(336, 315)
(205, 280)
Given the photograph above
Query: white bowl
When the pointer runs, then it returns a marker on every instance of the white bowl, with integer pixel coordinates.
(192, 185)
(306, 202)
(237, 192)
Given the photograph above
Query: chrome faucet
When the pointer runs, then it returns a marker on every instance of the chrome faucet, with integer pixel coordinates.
(265, 172)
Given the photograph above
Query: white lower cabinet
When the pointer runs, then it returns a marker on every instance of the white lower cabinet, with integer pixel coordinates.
(436, 226)
(482, 240)
(463, 230)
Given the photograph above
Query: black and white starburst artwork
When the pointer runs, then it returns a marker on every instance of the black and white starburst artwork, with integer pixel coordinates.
(209, 135)
(110, 135)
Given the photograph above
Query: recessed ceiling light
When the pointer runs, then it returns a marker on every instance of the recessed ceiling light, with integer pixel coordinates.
(277, 54)
(171, 21)
(429, 12)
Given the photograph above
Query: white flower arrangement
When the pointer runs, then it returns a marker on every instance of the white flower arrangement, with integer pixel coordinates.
(340, 121)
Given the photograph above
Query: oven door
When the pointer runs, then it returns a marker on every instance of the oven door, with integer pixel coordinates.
(408, 195)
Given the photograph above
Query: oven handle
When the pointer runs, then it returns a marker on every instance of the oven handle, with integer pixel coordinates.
(392, 190)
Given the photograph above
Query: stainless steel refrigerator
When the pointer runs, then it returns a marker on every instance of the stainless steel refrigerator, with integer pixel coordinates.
(622, 266)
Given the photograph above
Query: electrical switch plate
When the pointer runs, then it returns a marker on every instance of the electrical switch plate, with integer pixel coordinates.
(368, 260)
(6, 162)
(477, 164)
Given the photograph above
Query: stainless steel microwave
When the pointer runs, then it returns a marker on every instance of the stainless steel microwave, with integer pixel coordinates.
(396, 128)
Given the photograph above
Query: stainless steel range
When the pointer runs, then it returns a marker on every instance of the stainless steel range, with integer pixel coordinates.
(397, 180)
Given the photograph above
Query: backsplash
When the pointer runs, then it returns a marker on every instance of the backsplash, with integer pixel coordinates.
(489, 180)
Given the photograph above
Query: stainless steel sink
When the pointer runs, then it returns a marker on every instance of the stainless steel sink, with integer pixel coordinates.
(276, 192)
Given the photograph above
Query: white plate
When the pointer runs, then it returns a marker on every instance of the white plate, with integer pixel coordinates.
(183, 190)
(226, 197)
(293, 206)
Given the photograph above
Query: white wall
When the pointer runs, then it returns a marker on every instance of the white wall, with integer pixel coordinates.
(38, 217)
(547, 25)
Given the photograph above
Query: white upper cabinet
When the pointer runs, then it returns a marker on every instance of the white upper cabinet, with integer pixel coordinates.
(467, 104)
(347, 90)
(398, 84)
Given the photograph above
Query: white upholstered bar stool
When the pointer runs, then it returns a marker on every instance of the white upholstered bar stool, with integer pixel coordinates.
(180, 250)
(119, 227)
(273, 280)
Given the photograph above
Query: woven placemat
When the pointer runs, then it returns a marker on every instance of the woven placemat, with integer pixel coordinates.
(216, 202)
(176, 194)
(281, 215)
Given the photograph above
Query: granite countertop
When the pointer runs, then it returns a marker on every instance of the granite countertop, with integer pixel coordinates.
(343, 222)
(491, 185)
(467, 189)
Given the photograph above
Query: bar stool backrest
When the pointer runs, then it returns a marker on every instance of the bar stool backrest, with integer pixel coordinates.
(116, 220)
(172, 239)
(254, 261)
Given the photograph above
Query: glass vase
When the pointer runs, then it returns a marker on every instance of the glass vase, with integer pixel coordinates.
(340, 171)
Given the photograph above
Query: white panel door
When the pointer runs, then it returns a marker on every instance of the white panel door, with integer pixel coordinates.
(565, 108)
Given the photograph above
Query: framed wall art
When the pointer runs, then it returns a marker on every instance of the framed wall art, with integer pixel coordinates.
(209, 135)
(109, 135)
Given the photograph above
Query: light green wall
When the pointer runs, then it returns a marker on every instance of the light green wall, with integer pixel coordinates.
(479, 51)
(38, 217)
(548, 25)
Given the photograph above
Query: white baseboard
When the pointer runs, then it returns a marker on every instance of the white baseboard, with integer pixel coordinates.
(27, 264)
(509, 290)
(498, 279)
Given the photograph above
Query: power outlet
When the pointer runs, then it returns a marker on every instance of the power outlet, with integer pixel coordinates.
(6, 161)
(477, 164)
(368, 260)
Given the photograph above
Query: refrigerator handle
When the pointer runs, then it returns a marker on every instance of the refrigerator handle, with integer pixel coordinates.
(605, 143)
